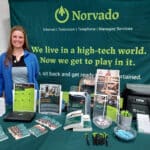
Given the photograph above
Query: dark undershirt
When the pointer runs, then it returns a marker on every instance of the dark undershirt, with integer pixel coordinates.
(19, 63)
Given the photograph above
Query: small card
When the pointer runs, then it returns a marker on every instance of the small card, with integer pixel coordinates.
(49, 122)
(19, 131)
(143, 122)
(3, 136)
(38, 130)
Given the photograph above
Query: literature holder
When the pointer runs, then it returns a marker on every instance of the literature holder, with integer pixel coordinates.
(50, 101)
(24, 97)
(107, 86)
(87, 84)
(24, 103)
(99, 112)
(79, 101)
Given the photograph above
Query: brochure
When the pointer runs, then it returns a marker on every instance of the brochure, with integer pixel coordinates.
(87, 125)
(50, 99)
(49, 122)
(19, 131)
(3, 136)
(79, 101)
(24, 99)
(73, 120)
(38, 130)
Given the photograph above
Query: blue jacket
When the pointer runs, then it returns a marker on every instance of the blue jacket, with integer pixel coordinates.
(6, 83)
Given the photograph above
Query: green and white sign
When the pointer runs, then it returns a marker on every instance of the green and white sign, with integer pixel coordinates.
(74, 38)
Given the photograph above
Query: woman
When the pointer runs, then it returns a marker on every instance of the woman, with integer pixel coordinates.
(17, 65)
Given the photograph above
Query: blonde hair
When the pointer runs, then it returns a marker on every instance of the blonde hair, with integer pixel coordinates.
(10, 46)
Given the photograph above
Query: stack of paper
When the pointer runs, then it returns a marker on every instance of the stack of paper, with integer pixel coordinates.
(2, 106)
(143, 122)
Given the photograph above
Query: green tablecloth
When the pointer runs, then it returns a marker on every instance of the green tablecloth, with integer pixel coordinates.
(69, 140)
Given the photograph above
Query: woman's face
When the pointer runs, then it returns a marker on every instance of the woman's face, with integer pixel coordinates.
(17, 39)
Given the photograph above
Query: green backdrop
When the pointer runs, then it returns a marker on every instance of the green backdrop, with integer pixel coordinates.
(74, 38)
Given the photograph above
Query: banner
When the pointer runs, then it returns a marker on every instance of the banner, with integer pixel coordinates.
(74, 38)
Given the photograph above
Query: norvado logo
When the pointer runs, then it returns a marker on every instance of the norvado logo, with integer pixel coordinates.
(61, 15)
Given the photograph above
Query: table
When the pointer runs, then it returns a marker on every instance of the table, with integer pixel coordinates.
(69, 140)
